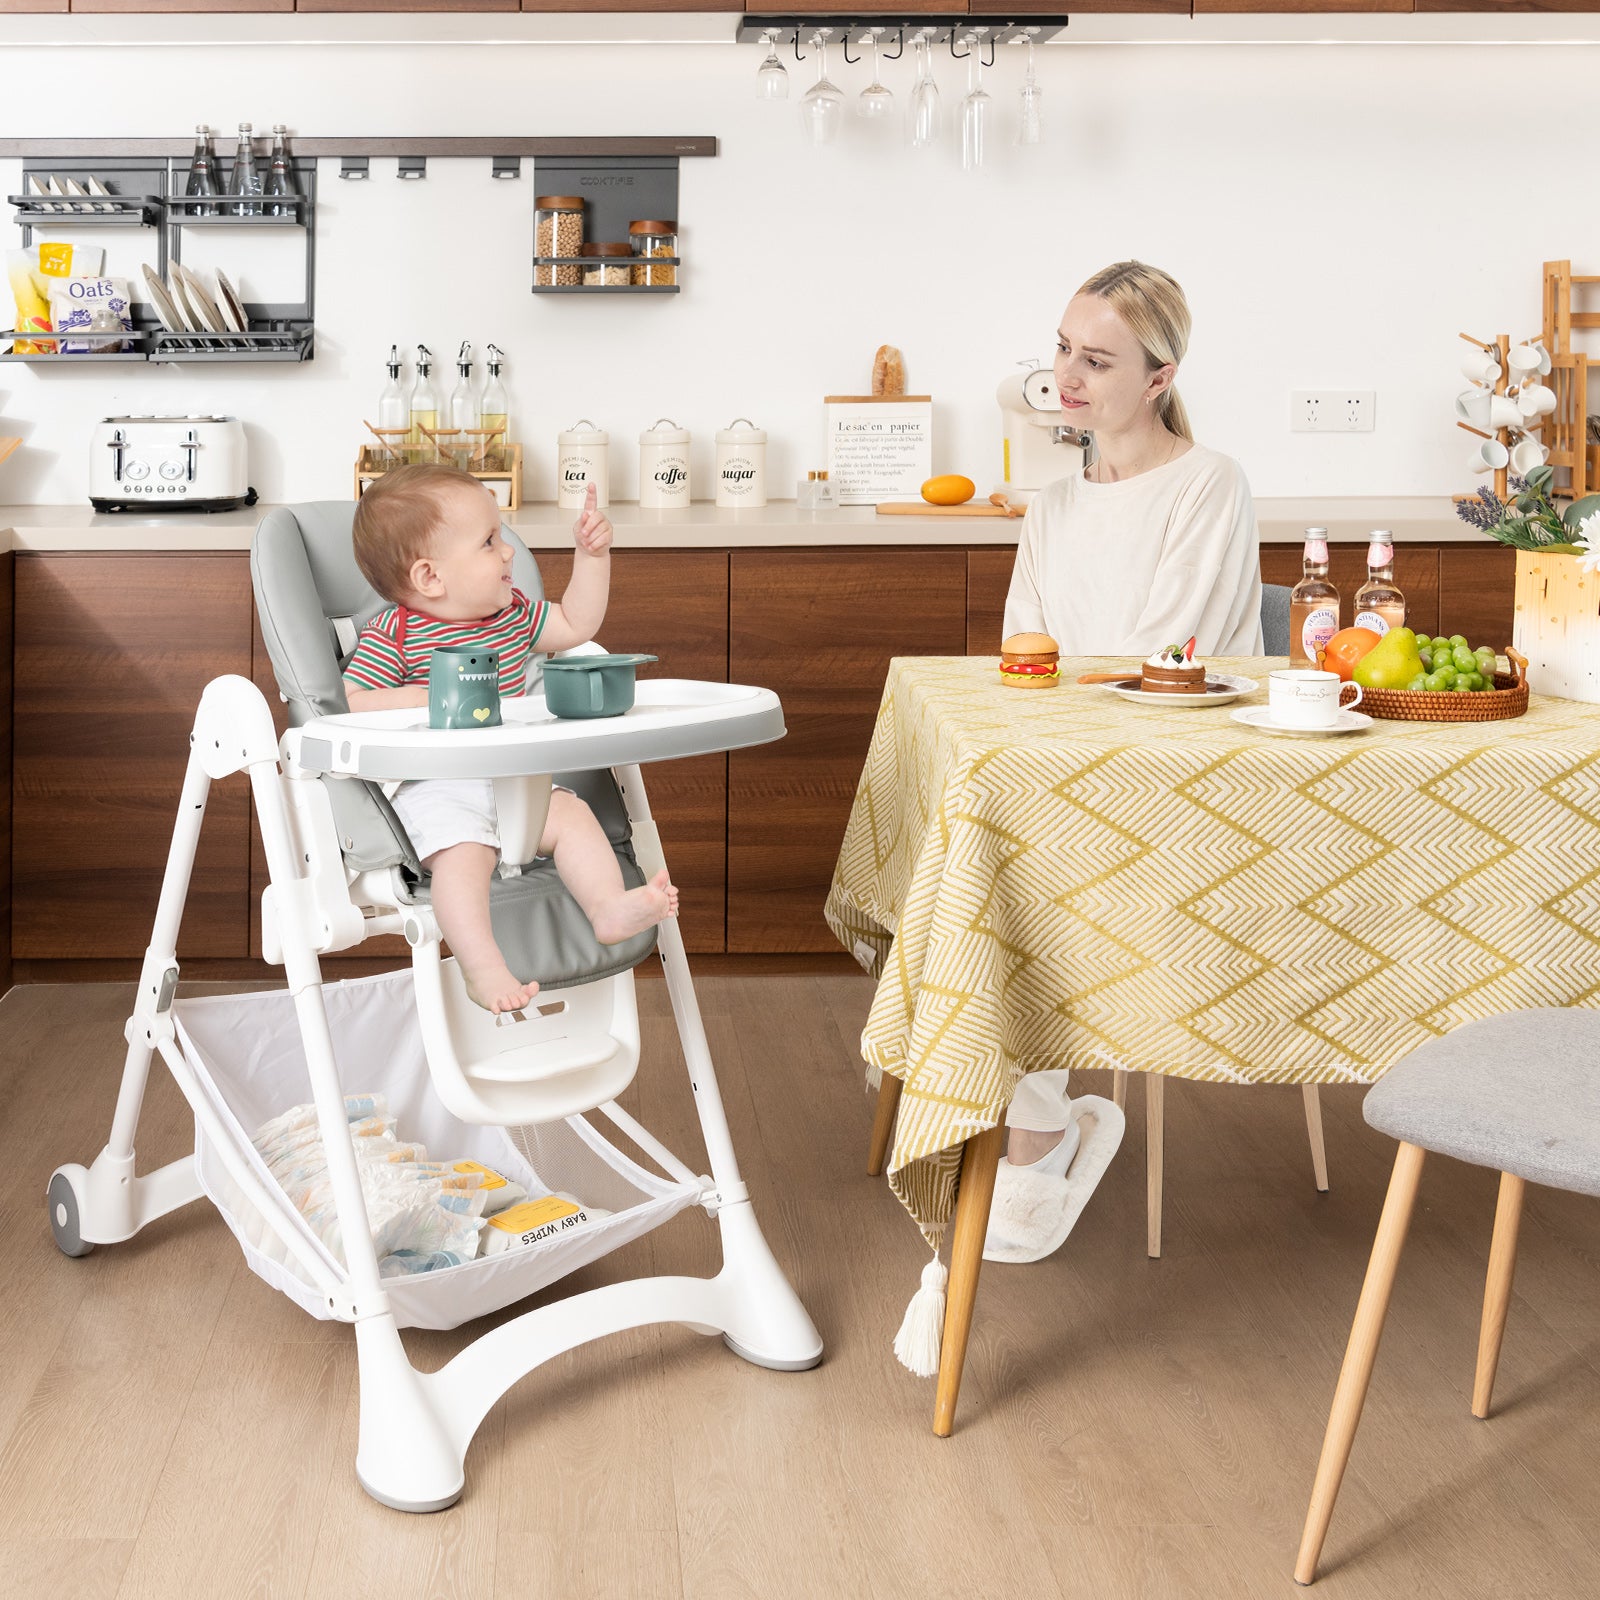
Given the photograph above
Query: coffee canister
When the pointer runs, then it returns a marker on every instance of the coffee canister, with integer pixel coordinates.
(664, 467)
(741, 465)
(582, 453)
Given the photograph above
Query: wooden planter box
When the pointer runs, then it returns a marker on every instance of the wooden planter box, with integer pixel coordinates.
(1557, 625)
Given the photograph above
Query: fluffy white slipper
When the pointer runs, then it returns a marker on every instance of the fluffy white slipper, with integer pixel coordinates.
(1034, 1210)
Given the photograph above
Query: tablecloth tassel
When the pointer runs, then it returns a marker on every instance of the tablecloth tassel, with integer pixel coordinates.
(916, 1346)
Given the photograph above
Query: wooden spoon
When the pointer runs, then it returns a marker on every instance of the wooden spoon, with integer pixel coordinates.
(1107, 677)
(999, 499)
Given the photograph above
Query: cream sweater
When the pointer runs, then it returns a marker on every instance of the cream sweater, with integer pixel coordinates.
(1124, 568)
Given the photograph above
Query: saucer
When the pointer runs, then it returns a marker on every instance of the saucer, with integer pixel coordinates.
(1347, 721)
(1219, 690)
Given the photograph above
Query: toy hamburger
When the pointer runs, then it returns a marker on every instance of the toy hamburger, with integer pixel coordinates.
(1030, 661)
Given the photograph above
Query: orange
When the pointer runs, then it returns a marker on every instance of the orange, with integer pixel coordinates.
(1346, 648)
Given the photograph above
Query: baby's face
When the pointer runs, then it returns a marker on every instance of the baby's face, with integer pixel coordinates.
(471, 558)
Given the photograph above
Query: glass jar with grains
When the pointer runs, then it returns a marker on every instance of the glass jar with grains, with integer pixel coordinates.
(655, 248)
(558, 231)
(606, 266)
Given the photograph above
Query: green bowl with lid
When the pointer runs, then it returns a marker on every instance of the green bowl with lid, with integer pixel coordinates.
(591, 686)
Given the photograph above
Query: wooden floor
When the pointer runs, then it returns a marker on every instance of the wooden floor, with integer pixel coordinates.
(171, 1427)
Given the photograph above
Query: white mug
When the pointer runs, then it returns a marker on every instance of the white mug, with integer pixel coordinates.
(1490, 456)
(1523, 359)
(1472, 405)
(1481, 367)
(1526, 454)
(1536, 400)
(1306, 698)
(1505, 412)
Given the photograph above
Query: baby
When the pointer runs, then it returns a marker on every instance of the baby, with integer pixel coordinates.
(428, 539)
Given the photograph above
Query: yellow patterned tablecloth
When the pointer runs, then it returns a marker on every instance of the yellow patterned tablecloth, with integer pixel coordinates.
(1064, 878)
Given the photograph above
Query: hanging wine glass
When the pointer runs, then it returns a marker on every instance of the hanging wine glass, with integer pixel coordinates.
(923, 126)
(1030, 130)
(974, 112)
(875, 102)
(821, 104)
(772, 77)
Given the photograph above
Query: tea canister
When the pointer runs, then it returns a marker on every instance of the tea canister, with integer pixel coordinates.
(664, 467)
(741, 465)
(582, 453)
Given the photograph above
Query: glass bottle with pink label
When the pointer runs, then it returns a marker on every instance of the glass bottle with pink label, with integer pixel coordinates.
(1314, 605)
(1379, 604)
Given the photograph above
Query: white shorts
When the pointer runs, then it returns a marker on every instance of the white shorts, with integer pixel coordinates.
(439, 812)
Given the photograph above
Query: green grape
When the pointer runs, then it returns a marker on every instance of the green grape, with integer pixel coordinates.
(1462, 685)
(1446, 676)
(1473, 680)
(1423, 641)
(1427, 659)
(1464, 660)
(1458, 641)
(1436, 682)
(1417, 683)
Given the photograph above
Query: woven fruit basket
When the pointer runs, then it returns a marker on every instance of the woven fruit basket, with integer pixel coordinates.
(1508, 698)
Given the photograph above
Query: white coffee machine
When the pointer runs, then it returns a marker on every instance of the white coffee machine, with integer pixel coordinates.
(1038, 448)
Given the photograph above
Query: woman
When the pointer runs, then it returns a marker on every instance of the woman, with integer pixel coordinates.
(1153, 543)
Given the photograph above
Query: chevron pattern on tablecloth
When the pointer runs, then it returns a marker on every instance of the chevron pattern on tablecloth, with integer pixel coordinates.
(1064, 878)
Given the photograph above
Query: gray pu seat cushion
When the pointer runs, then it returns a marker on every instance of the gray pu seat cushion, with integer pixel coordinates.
(307, 584)
(1275, 619)
(1519, 1093)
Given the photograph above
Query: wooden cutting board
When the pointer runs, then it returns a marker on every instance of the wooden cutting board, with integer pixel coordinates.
(7, 446)
(921, 508)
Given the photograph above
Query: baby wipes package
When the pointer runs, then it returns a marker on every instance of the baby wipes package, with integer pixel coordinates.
(90, 305)
(31, 272)
(534, 1220)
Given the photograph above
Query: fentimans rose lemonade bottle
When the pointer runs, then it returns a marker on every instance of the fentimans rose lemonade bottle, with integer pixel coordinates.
(1379, 604)
(1314, 605)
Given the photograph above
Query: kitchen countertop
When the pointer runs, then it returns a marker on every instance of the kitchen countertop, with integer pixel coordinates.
(1413, 519)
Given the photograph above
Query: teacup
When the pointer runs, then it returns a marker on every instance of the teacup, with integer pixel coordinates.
(1490, 456)
(1473, 405)
(1536, 399)
(1526, 454)
(1523, 359)
(1480, 366)
(1306, 698)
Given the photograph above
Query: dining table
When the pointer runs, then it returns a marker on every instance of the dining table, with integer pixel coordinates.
(1070, 877)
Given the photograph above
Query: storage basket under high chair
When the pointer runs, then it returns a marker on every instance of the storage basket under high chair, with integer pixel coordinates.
(536, 1103)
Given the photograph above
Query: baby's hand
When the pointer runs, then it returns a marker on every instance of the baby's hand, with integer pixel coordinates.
(592, 530)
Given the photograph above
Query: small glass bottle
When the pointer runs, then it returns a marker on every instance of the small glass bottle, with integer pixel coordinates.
(494, 415)
(394, 409)
(650, 242)
(1313, 605)
(424, 405)
(280, 176)
(558, 232)
(1379, 604)
(244, 182)
(463, 400)
(203, 178)
(826, 500)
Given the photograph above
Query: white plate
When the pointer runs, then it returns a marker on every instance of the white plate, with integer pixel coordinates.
(208, 317)
(231, 306)
(1220, 689)
(98, 188)
(171, 317)
(1260, 717)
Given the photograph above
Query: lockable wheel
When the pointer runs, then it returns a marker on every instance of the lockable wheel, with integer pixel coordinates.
(62, 1199)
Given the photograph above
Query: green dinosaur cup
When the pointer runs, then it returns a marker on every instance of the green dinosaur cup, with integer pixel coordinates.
(590, 686)
(464, 688)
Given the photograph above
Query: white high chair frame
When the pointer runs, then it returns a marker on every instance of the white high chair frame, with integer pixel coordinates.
(415, 1427)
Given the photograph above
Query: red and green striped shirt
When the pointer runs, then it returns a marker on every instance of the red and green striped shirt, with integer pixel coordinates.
(397, 646)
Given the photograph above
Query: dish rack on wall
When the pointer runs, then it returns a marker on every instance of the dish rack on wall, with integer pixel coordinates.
(147, 192)
(1572, 445)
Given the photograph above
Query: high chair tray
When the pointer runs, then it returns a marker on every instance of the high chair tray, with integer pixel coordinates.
(671, 718)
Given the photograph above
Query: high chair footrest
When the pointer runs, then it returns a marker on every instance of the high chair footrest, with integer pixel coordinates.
(546, 1059)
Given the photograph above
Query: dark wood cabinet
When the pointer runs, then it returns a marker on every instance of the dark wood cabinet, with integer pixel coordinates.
(819, 627)
(988, 581)
(1477, 592)
(8, 564)
(111, 654)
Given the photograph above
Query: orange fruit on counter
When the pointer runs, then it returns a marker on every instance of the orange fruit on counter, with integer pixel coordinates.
(1346, 648)
(949, 489)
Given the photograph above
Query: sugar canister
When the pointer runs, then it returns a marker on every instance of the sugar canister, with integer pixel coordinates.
(582, 453)
(664, 467)
(741, 465)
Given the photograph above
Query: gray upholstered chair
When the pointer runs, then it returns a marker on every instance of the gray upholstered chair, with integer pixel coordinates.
(1275, 618)
(1519, 1093)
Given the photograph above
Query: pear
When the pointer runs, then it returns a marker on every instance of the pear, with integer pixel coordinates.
(1391, 663)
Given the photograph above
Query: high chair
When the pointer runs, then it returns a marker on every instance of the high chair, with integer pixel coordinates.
(526, 1098)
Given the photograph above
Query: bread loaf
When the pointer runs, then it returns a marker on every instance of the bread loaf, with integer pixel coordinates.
(888, 371)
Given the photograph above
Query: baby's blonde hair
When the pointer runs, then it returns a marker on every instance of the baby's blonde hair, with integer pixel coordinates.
(396, 520)
(1151, 303)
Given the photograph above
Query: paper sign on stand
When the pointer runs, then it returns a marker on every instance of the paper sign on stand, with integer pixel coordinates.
(880, 447)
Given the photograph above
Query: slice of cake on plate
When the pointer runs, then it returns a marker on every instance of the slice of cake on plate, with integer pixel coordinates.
(1173, 670)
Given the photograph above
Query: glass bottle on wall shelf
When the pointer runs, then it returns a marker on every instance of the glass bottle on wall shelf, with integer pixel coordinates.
(280, 176)
(1379, 604)
(394, 409)
(424, 404)
(203, 178)
(244, 182)
(494, 413)
(1313, 604)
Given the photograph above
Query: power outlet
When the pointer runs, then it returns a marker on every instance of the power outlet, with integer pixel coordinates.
(1332, 410)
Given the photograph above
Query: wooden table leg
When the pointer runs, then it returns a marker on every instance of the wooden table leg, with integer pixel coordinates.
(1119, 1088)
(1362, 1351)
(980, 1159)
(1155, 1138)
(1319, 1150)
(889, 1088)
(1497, 1288)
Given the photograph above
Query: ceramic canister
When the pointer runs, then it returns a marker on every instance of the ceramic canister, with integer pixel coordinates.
(741, 465)
(582, 453)
(664, 467)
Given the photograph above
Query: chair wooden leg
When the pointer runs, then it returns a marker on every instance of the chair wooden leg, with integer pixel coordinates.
(1319, 1151)
(1356, 1373)
(980, 1158)
(1119, 1089)
(883, 1123)
(1497, 1288)
(1155, 1140)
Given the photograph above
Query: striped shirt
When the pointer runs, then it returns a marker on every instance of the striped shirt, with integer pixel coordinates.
(396, 647)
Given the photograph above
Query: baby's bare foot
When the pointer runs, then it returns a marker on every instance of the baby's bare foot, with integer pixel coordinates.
(496, 990)
(636, 910)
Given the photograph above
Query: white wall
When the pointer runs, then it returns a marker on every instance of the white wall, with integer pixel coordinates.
(1335, 213)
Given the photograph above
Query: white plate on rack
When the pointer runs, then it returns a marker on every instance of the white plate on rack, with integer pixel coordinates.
(207, 317)
(1260, 718)
(1221, 688)
(171, 317)
(231, 305)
